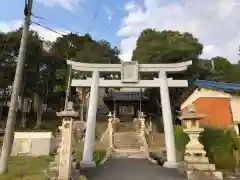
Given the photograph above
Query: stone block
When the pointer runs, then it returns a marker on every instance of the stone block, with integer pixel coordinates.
(198, 166)
(32, 144)
(204, 175)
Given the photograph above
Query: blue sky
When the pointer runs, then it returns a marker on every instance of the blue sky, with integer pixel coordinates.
(215, 23)
(82, 19)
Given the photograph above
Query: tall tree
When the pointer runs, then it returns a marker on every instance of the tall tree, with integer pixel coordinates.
(169, 47)
(85, 49)
(166, 47)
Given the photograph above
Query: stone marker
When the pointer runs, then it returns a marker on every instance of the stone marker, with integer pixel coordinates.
(32, 144)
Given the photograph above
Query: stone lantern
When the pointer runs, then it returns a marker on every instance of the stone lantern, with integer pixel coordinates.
(66, 150)
(196, 165)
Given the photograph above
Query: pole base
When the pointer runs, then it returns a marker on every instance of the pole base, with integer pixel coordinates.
(168, 164)
(87, 164)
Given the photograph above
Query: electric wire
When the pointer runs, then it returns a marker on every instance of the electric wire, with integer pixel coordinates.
(48, 28)
(50, 22)
(95, 15)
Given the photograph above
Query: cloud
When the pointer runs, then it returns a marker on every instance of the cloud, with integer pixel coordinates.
(215, 23)
(108, 12)
(70, 5)
(44, 33)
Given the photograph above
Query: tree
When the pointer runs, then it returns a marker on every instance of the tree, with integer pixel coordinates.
(225, 71)
(85, 49)
(169, 47)
(166, 47)
(33, 58)
(7, 70)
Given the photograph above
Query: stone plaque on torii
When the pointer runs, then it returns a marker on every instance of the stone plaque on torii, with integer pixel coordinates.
(129, 72)
(130, 79)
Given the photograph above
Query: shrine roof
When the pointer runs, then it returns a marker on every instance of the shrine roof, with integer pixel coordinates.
(227, 87)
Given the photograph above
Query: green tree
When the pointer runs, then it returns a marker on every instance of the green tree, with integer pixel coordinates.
(170, 47)
(166, 47)
(84, 49)
(225, 71)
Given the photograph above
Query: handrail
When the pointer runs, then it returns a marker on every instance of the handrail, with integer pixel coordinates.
(143, 131)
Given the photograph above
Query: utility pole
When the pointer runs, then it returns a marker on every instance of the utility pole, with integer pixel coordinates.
(213, 64)
(68, 87)
(11, 119)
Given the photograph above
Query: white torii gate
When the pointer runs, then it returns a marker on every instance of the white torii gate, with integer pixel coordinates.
(129, 78)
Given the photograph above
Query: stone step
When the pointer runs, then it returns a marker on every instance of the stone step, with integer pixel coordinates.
(127, 147)
(198, 166)
(127, 140)
(129, 153)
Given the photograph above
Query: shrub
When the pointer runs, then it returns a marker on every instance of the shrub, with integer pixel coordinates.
(220, 145)
(181, 138)
(98, 156)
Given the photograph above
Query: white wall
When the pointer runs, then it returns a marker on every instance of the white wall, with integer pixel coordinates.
(203, 92)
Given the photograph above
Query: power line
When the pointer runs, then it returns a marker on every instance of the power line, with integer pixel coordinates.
(48, 28)
(46, 20)
(95, 16)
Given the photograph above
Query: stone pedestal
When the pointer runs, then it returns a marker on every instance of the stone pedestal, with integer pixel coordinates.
(196, 165)
(65, 151)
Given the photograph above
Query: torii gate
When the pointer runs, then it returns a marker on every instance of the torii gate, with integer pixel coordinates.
(129, 78)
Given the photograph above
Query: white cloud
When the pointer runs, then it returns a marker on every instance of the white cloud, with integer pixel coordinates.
(44, 33)
(108, 12)
(67, 4)
(215, 23)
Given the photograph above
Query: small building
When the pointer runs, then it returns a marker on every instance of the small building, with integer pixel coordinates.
(125, 102)
(33, 144)
(218, 102)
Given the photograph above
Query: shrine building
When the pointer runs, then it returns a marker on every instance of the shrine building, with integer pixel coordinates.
(218, 102)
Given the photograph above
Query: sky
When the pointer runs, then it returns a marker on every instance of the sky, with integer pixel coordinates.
(216, 23)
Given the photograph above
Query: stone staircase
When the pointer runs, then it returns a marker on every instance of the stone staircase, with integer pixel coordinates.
(128, 145)
(127, 141)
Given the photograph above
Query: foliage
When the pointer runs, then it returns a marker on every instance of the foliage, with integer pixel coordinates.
(172, 47)
(98, 155)
(181, 138)
(166, 47)
(219, 144)
(45, 73)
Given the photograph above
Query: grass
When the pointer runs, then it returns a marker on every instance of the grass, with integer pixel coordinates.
(27, 168)
(32, 168)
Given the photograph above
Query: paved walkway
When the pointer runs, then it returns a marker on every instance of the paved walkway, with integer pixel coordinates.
(131, 169)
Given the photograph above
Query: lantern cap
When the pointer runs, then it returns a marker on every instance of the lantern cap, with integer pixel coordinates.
(68, 111)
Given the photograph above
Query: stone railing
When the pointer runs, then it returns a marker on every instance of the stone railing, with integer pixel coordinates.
(143, 132)
(110, 130)
(112, 127)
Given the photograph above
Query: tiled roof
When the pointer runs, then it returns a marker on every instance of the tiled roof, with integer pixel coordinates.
(228, 87)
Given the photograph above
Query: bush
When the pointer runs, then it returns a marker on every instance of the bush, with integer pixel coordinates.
(181, 138)
(219, 145)
(98, 156)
